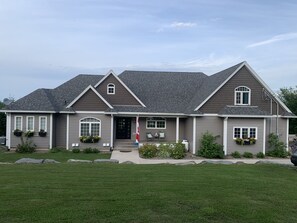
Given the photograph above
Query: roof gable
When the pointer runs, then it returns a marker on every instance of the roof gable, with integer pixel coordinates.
(214, 83)
(86, 91)
(224, 93)
(125, 96)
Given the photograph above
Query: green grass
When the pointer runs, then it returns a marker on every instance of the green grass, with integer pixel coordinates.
(147, 193)
(60, 156)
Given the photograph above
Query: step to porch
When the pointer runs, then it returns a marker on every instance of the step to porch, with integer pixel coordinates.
(125, 145)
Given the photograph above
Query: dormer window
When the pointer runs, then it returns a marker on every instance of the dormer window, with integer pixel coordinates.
(242, 96)
(110, 89)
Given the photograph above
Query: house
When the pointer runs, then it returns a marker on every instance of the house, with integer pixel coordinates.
(233, 104)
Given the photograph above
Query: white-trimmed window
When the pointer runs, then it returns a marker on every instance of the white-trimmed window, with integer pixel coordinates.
(90, 127)
(110, 89)
(18, 122)
(30, 123)
(242, 96)
(244, 132)
(43, 123)
(156, 123)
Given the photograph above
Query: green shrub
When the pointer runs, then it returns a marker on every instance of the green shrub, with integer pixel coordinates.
(247, 155)
(148, 151)
(236, 154)
(260, 155)
(76, 150)
(90, 150)
(178, 151)
(164, 151)
(26, 147)
(276, 147)
(209, 148)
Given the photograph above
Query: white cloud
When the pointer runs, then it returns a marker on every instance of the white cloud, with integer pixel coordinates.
(277, 38)
(182, 24)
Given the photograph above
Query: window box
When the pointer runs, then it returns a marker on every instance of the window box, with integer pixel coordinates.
(247, 141)
(89, 139)
(18, 133)
(42, 133)
(29, 134)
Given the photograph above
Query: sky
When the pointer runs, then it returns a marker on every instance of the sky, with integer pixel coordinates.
(44, 43)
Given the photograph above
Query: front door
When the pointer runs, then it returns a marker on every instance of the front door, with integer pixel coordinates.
(123, 128)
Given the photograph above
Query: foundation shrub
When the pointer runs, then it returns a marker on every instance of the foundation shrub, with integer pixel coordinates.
(276, 147)
(148, 151)
(209, 148)
(178, 151)
(164, 151)
(247, 155)
(26, 147)
(260, 155)
(236, 154)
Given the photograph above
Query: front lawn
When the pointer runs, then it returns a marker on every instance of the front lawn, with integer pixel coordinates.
(59, 156)
(147, 193)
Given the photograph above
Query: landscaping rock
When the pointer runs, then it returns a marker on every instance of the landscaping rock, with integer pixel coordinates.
(185, 163)
(127, 162)
(264, 162)
(240, 163)
(50, 161)
(106, 161)
(5, 163)
(29, 161)
(78, 161)
(225, 162)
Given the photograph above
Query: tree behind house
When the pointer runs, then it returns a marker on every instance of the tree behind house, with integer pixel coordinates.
(289, 97)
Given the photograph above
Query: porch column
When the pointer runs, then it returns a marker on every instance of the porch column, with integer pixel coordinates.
(111, 131)
(67, 133)
(225, 133)
(177, 129)
(51, 132)
(8, 130)
(194, 135)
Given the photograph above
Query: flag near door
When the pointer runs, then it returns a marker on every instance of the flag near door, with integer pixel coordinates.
(137, 130)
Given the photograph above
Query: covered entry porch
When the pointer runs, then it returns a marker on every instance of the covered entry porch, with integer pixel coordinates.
(162, 129)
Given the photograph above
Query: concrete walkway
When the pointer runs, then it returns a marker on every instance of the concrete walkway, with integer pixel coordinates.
(133, 157)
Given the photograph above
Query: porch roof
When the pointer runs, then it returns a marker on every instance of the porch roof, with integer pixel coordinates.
(243, 111)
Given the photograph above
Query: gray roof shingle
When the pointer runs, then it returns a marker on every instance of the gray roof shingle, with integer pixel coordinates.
(166, 92)
(243, 110)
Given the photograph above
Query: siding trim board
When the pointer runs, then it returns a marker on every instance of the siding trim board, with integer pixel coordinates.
(264, 135)
(51, 132)
(67, 132)
(84, 92)
(215, 91)
(122, 83)
(8, 130)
